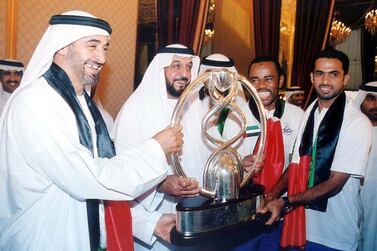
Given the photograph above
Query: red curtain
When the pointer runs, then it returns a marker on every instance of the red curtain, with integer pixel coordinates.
(181, 21)
(267, 27)
(313, 19)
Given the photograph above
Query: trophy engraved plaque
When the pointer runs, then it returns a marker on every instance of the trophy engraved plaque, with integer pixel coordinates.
(225, 198)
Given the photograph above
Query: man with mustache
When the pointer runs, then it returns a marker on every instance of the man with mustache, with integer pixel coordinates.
(10, 77)
(366, 100)
(148, 110)
(329, 159)
(283, 120)
(295, 95)
(57, 161)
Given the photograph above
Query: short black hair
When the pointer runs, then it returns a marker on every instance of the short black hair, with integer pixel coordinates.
(267, 58)
(333, 53)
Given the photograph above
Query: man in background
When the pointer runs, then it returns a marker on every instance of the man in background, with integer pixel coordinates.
(10, 77)
(366, 101)
(295, 95)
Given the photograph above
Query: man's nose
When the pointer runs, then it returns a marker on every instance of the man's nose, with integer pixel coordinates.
(326, 77)
(185, 72)
(101, 55)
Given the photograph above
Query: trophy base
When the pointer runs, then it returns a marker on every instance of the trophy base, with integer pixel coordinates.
(202, 218)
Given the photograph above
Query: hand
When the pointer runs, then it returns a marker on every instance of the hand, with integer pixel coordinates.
(251, 164)
(275, 207)
(179, 186)
(164, 226)
(170, 139)
(265, 200)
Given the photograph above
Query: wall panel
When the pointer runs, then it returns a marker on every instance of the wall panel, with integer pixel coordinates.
(116, 82)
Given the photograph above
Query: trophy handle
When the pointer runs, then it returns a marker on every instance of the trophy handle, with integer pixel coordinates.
(190, 89)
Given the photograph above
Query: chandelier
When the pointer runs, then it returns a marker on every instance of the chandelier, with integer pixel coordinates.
(371, 21)
(339, 32)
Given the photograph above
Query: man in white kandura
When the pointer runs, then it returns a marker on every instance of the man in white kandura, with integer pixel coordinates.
(295, 95)
(366, 100)
(148, 110)
(56, 157)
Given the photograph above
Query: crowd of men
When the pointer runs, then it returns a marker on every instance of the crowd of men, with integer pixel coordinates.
(71, 181)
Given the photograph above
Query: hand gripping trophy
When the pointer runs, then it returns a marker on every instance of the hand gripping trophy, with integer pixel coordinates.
(222, 202)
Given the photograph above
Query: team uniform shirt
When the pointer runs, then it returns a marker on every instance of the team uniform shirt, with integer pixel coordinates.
(290, 122)
(338, 226)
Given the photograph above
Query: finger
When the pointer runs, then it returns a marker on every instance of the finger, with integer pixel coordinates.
(192, 186)
(270, 221)
(190, 192)
(178, 128)
(182, 181)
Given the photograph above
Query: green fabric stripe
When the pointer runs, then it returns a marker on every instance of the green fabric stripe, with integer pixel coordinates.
(253, 127)
(312, 165)
(221, 122)
(251, 134)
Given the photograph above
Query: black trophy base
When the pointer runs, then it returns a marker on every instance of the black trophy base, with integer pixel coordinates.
(204, 222)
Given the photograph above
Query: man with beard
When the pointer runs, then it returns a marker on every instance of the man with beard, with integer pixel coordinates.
(283, 120)
(57, 160)
(366, 100)
(330, 156)
(10, 77)
(148, 110)
(295, 95)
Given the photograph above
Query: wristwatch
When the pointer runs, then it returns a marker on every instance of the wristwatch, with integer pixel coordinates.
(287, 207)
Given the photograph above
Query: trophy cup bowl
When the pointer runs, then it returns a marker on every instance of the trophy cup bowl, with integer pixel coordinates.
(226, 198)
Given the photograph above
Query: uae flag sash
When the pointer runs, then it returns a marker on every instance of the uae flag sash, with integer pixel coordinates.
(313, 167)
(118, 226)
(274, 148)
(61, 83)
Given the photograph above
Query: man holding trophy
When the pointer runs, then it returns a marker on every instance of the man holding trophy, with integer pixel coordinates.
(167, 76)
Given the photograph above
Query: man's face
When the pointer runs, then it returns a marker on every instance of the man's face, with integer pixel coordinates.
(297, 99)
(264, 77)
(369, 107)
(178, 75)
(328, 79)
(10, 80)
(86, 58)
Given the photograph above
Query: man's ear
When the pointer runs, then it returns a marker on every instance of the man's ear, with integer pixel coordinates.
(62, 51)
(312, 77)
(346, 79)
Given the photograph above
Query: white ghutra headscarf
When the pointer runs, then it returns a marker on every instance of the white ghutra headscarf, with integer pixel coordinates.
(370, 87)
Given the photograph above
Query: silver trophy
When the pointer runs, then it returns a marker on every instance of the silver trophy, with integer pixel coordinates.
(222, 203)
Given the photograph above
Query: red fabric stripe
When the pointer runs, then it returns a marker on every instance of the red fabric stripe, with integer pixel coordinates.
(118, 226)
(294, 229)
(274, 160)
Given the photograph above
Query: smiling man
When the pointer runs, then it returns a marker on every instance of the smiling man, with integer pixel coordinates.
(148, 110)
(330, 156)
(57, 160)
(10, 77)
(283, 120)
